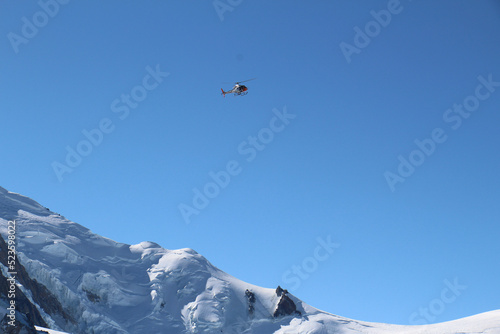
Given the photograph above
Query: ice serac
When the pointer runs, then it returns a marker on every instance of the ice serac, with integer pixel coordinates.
(75, 281)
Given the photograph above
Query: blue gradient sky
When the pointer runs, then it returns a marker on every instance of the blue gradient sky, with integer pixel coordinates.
(415, 229)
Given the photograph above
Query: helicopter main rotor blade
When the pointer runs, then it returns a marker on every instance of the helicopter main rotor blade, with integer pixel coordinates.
(245, 80)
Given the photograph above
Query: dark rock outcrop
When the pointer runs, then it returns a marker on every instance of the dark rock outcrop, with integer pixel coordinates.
(28, 315)
(285, 306)
(251, 301)
(280, 291)
(23, 319)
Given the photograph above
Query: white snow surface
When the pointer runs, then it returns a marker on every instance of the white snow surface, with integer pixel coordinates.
(111, 287)
(44, 330)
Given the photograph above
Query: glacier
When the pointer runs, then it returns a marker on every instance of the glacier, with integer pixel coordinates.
(80, 282)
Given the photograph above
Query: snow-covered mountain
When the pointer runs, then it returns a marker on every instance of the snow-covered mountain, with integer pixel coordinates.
(72, 280)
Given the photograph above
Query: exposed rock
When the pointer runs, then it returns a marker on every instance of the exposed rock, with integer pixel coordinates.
(92, 296)
(286, 306)
(21, 326)
(40, 294)
(251, 301)
(280, 291)
(26, 315)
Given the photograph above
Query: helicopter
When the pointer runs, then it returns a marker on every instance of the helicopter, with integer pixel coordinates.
(237, 89)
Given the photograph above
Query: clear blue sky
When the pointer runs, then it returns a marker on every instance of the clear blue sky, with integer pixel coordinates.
(413, 244)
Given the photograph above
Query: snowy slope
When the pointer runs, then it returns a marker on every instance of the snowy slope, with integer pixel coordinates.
(43, 330)
(110, 287)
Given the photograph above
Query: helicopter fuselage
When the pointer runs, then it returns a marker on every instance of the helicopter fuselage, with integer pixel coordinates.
(237, 89)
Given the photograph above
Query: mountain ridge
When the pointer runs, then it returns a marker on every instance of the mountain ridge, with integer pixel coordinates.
(112, 287)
